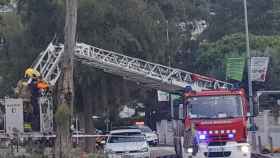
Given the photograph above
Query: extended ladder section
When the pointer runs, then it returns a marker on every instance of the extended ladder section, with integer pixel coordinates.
(47, 63)
(143, 72)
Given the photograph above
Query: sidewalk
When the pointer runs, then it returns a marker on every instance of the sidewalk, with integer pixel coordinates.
(267, 156)
(276, 155)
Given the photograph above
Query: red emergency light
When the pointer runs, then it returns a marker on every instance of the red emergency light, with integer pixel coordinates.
(139, 123)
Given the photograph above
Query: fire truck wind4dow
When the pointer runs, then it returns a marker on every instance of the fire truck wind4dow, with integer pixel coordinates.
(217, 120)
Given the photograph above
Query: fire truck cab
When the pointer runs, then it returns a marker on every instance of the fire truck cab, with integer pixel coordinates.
(217, 120)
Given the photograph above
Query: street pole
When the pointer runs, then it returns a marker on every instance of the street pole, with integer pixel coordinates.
(107, 121)
(170, 95)
(167, 32)
(169, 64)
(77, 130)
(249, 77)
(172, 105)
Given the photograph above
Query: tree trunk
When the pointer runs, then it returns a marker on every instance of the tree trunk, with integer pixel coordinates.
(89, 101)
(104, 99)
(116, 90)
(125, 91)
(69, 46)
(66, 90)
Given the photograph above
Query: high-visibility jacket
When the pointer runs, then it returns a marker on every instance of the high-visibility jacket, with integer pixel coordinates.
(27, 126)
(42, 85)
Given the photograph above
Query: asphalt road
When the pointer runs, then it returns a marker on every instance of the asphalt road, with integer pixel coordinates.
(162, 151)
(168, 152)
(275, 155)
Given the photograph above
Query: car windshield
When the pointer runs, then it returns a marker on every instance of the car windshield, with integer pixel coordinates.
(145, 129)
(126, 137)
(215, 107)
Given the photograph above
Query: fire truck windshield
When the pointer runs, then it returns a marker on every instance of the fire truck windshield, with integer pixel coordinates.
(215, 107)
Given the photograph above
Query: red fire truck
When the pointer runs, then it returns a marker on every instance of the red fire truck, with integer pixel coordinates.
(216, 123)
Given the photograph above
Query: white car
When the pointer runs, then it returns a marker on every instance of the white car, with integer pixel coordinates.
(151, 137)
(127, 143)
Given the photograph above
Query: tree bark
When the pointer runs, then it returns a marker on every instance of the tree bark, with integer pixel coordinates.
(116, 90)
(104, 99)
(125, 91)
(66, 90)
(89, 101)
(69, 46)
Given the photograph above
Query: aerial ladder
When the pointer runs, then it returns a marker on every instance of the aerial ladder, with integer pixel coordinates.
(149, 74)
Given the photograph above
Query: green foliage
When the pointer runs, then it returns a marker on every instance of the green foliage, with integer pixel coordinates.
(26, 34)
(212, 56)
(136, 30)
(42, 20)
(10, 58)
(263, 18)
(4, 2)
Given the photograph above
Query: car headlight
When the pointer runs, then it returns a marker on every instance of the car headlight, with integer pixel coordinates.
(245, 149)
(190, 150)
(145, 149)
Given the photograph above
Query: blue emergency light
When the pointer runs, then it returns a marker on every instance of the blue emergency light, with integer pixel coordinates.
(202, 137)
(230, 135)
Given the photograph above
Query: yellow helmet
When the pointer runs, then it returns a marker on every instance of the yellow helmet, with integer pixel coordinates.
(32, 73)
